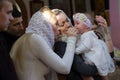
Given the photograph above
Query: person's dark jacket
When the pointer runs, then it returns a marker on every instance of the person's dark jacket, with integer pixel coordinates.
(60, 48)
(7, 70)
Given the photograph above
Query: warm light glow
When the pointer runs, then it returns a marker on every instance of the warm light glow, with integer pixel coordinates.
(47, 15)
(50, 17)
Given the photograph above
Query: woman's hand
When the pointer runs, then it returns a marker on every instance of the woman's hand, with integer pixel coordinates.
(72, 31)
(101, 21)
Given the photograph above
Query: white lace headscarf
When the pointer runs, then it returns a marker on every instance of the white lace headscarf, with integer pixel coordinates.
(82, 17)
(39, 25)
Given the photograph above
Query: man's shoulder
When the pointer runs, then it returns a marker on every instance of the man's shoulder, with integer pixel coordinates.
(2, 36)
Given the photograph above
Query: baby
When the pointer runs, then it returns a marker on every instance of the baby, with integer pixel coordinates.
(93, 50)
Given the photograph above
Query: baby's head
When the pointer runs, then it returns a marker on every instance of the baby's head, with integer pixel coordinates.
(81, 22)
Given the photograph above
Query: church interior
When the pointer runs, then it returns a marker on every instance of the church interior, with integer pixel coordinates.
(93, 7)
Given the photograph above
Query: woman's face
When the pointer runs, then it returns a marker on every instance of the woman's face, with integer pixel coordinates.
(63, 23)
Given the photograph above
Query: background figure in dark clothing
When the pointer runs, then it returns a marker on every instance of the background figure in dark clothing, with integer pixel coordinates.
(59, 48)
(15, 29)
(7, 70)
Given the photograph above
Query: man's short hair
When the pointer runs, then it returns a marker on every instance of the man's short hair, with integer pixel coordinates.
(2, 2)
(16, 13)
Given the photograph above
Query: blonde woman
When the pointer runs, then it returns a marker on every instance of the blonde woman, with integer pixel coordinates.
(33, 56)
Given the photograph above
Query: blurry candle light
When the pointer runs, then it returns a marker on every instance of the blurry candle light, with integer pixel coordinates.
(47, 15)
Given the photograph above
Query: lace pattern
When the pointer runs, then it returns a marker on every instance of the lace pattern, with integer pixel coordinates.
(39, 25)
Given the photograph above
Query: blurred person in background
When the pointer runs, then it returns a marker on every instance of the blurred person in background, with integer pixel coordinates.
(7, 70)
(15, 29)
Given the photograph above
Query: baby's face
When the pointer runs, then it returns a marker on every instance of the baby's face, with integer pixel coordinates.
(80, 26)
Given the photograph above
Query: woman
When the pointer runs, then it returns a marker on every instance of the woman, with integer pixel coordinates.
(33, 56)
(64, 24)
